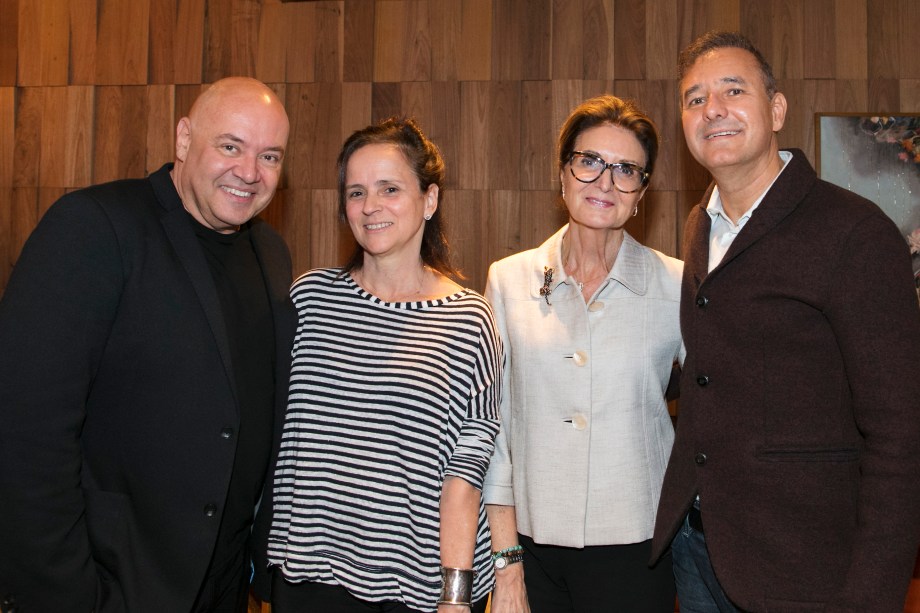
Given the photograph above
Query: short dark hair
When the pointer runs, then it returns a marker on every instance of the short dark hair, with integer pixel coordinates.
(426, 163)
(602, 110)
(720, 40)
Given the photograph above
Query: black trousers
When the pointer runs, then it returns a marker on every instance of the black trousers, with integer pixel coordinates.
(607, 578)
(309, 597)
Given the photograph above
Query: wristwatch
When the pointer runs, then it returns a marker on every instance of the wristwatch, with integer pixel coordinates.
(505, 557)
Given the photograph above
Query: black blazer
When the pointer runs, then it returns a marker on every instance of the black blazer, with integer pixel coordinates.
(117, 405)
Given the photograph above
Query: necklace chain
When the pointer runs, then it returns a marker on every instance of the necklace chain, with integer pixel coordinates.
(565, 261)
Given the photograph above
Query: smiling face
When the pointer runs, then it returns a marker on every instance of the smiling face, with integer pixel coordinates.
(599, 205)
(729, 120)
(229, 152)
(384, 204)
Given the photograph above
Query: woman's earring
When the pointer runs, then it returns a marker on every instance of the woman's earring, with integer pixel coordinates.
(635, 210)
(563, 192)
(427, 217)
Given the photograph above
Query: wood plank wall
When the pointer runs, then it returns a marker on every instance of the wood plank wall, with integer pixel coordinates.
(90, 91)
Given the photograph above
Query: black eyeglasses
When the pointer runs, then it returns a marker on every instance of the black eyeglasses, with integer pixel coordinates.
(588, 168)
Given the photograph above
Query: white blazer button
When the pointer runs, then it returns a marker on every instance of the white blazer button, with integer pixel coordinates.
(579, 422)
(596, 306)
(580, 358)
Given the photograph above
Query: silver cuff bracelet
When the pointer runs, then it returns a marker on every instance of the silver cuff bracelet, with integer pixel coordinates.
(456, 586)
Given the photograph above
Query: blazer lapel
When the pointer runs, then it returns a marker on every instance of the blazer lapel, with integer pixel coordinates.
(180, 234)
(783, 197)
(696, 242)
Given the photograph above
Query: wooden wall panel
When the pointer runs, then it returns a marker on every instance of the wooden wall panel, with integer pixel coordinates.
(299, 27)
(162, 46)
(386, 100)
(122, 42)
(231, 30)
(788, 36)
(465, 215)
(120, 132)
(852, 95)
(569, 50)
(883, 25)
(7, 139)
(356, 109)
(177, 41)
(445, 96)
(315, 113)
(189, 41)
(9, 53)
(659, 213)
(816, 94)
(850, 19)
(461, 40)
(330, 241)
(473, 163)
(504, 210)
(884, 95)
(629, 40)
(660, 103)
(820, 46)
(910, 96)
(540, 215)
(28, 138)
(90, 90)
(83, 35)
(537, 140)
(160, 141)
(661, 51)
(358, 57)
(271, 55)
(66, 148)
(402, 42)
(43, 39)
(909, 59)
(600, 57)
(521, 39)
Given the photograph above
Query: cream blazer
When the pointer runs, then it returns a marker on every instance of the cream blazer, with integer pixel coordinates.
(586, 434)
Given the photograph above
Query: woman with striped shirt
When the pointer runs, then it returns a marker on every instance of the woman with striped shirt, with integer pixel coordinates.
(393, 405)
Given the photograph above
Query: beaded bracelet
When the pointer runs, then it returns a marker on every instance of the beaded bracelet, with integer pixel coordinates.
(498, 554)
(504, 558)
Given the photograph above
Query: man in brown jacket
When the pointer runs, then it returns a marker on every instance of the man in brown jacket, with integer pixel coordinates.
(794, 483)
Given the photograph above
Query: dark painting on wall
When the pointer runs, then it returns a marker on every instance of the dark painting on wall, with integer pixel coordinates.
(878, 157)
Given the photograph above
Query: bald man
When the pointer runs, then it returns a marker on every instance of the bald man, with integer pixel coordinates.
(146, 334)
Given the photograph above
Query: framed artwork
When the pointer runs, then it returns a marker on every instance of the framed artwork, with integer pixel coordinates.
(878, 157)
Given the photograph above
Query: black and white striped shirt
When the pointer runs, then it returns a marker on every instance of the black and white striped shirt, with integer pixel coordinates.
(386, 400)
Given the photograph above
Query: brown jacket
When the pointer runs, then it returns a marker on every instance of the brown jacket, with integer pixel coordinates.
(799, 421)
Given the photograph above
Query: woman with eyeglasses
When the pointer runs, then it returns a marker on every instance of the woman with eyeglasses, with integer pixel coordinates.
(589, 322)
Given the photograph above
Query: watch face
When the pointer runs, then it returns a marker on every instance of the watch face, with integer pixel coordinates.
(501, 563)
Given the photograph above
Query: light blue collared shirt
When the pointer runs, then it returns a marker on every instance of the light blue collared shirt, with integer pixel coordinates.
(723, 230)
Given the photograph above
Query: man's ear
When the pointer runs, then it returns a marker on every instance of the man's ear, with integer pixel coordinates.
(183, 138)
(778, 109)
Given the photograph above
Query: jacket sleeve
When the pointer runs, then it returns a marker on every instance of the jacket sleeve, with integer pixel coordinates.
(54, 320)
(875, 317)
